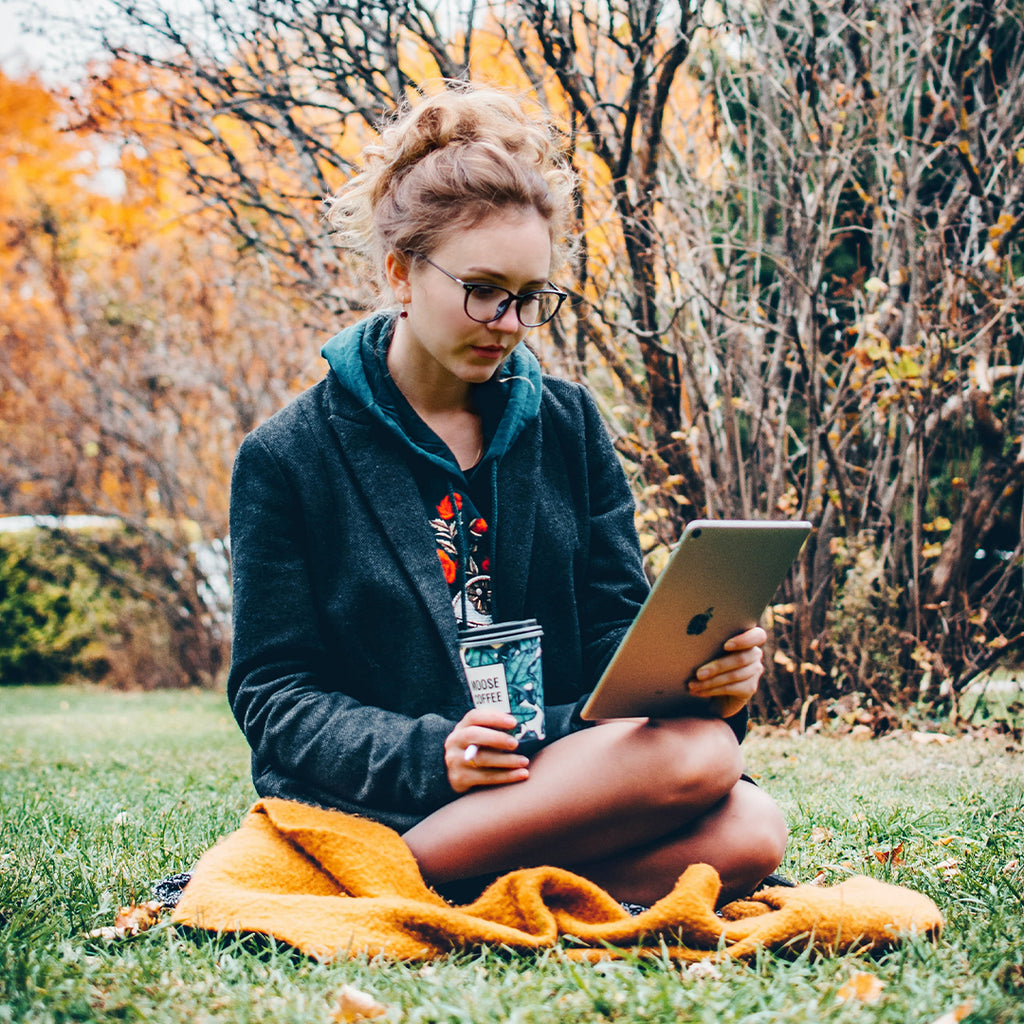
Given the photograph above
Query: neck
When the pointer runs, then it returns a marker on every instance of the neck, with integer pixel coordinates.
(429, 388)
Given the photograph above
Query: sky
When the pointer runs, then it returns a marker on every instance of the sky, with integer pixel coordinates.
(34, 36)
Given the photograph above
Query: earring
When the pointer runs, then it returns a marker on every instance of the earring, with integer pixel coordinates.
(404, 314)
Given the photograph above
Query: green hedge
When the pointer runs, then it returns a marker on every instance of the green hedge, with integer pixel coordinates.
(69, 601)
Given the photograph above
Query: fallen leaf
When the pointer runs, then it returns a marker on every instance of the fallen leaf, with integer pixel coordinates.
(862, 987)
(949, 868)
(819, 878)
(954, 1016)
(703, 969)
(893, 856)
(931, 737)
(821, 834)
(1010, 866)
(131, 920)
(354, 1005)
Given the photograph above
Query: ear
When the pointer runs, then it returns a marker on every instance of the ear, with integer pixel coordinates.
(396, 270)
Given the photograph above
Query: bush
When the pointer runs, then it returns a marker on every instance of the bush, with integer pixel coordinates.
(45, 616)
(104, 604)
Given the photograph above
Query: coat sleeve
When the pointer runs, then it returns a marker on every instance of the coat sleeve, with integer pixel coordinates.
(304, 733)
(616, 583)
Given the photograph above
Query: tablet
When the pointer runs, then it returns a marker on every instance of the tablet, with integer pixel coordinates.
(718, 581)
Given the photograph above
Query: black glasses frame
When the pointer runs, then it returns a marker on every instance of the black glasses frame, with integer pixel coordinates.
(503, 305)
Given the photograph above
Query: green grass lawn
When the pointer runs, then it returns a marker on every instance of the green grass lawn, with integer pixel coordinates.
(102, 794)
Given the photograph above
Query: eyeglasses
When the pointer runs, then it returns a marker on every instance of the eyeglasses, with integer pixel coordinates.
(486, 303)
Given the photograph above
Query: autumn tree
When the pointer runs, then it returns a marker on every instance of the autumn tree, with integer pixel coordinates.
(800, 267)
(136, 348)
(856, 326)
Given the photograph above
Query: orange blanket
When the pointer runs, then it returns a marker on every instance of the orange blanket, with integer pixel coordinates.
(335, 885)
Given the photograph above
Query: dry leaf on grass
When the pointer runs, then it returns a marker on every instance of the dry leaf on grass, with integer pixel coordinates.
(703, 969)
(861, 987)
(821, 834)
(354, 1005)
(931, 737)
(954, 1016)
(131, 920)
(893, 856)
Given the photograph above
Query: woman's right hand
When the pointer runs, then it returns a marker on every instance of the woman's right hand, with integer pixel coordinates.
(480, 752)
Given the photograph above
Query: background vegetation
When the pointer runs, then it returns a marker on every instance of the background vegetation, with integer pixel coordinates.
(799, 291)
(106, 793)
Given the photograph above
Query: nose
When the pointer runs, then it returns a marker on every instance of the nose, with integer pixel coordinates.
(508, 322)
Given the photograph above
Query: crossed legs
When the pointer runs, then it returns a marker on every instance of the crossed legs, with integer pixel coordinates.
(628, 804)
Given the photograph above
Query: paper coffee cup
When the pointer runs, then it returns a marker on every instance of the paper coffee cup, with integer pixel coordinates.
(502, 665)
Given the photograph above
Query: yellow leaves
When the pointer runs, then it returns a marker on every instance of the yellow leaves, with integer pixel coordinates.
(1001, 227)
(996, 231)
(355, 1005)
(860, 987)
(783, 660)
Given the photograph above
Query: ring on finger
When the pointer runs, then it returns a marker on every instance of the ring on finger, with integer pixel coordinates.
(469, 755)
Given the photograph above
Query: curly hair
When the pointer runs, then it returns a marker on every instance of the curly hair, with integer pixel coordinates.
(446, 163)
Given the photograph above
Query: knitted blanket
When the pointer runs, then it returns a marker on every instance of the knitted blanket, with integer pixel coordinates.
(335, 885)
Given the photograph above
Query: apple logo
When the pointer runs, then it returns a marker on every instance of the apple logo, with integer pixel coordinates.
(699, 622)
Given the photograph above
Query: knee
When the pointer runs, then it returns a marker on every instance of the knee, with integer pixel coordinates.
(759, 837)
(768, 837)
(698, 762)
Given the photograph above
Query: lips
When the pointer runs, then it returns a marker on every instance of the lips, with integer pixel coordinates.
(489, 351)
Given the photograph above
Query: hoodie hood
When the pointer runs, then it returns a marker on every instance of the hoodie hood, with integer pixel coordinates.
(508, 402)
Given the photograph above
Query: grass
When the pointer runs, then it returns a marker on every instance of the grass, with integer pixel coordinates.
(102, 794)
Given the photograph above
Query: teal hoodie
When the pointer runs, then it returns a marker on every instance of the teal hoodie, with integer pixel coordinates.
(508, 402)
(452, 497)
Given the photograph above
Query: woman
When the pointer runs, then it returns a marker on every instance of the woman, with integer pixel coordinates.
(434, 479)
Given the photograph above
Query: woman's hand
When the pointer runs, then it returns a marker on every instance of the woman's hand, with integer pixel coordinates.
(480, 752)
(731, 679)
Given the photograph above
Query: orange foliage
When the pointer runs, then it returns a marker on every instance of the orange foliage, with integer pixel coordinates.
(136, 349)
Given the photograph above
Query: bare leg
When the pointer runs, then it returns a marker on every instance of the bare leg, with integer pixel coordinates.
(743, 838)
(655, 795)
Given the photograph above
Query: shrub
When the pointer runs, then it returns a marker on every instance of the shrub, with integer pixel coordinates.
(106, 604)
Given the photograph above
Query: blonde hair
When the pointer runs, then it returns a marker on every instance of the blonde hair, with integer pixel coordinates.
(444, 165)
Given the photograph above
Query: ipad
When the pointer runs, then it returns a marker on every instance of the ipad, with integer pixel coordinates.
(718, 581)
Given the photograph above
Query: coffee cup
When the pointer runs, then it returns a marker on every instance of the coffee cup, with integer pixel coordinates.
(503, 668)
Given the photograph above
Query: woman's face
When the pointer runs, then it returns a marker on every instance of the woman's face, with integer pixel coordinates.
(437, 341)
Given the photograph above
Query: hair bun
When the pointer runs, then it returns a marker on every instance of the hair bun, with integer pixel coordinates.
(445, 162)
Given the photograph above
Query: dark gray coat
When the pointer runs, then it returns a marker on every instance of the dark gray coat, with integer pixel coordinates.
(345, 675)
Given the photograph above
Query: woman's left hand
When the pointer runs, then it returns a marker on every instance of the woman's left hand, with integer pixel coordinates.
(731, 679)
